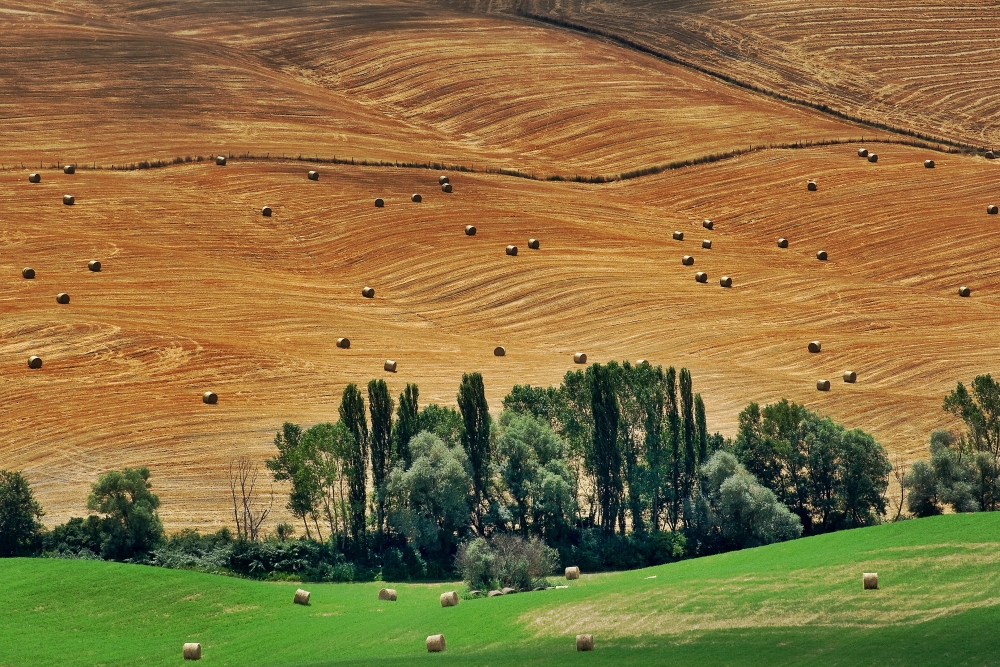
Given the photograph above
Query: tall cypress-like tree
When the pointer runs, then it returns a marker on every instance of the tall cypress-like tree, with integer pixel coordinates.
(653, 402)
(407, 425)
(380, 408)
(352, 415)
(476, 438)
(607, 453)
(701, 427)
(676, 463)
(687, 413)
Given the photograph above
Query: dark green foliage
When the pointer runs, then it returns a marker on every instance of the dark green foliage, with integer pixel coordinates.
(352, 415)
(688, 431)
(77, 538)
(674, 440)
(652, 398)
(476, 438)
(444, 422)
(407, 424)
(542, 403)
(701, 428)
(607, 454)
(505, 561)
(380, 407)
(20, 528)
(131, 526)
(293, 464)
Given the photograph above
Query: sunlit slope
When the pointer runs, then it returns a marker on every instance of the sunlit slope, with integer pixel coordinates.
(789, 604)
(200, 292)
(124, 82)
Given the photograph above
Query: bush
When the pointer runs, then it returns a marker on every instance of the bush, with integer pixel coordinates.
(505, 561)
(20, 530)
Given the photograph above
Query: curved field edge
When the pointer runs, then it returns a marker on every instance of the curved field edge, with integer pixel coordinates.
(788, 604)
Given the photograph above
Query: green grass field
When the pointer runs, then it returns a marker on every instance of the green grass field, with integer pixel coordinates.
(799, 603)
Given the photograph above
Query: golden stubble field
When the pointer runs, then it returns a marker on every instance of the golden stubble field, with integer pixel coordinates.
(199, 291)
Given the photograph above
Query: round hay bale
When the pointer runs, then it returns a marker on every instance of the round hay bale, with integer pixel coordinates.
(368, 292)
(929, 164)
(850, 377)
(821, 255)
(725, 281)
(442, 180)
(220, 160)
(470, 230)
(708, 224)
(585, 642)
(573, 572)
(964, 291)
(313, 175)
(94, 265)
(823, 385)
(62, 298)
(873, 157)
(435, 643)
(387, 594)
(990, 155)
(34, 362)
(687, 260)
(449, 599)
(69, 169)
(815, 347)
(379, 202)
(512, 250)
(301, 597)
(34, 178)
(701, 277)
(192, 651)
(870, 581)
(266, 211)
(499, 351)
(579, 357)
(28, 273)
(534, 244)
(389, 366)
(642, 362)
(344, 343)
(991, 209)
(509, 591)
(706, 244)
(69, 200)
(446, 187)
(416, 198)
(811, 185)
(862, 152)
(210, 398)
(493, 594)
(678, 236)
(782, 242)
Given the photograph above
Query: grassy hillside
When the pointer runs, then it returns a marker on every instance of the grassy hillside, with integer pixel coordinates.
(798, 603)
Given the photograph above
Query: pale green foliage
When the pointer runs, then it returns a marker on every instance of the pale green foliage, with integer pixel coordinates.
(505, 560)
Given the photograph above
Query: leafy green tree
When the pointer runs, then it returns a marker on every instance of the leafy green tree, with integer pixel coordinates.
(407, 424)
(652, 398)
(20, 528)
(476, 439)
(327, 450)
(444, 422)
(690, 451)
(576, 428)
(980, 411)
(380, 408)
(676, 459)
(293, 464)
(541, 403)
(131, 525)
(607, 452)
(632, 383)
(921, 487)
(701, 428)
(352, 415)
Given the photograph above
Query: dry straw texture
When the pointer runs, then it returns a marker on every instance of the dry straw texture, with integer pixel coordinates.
(708, 224)
(344, 343)
(870, 581)
(220, 160)
(28, 273)
(389, 366)
(701, 277)
(379, 202)
(499, 351)
(368, 292)
(69, 200)
(782, 242)
(416, 198)
(706, 244)
(687, 260)
(266, 211)
(585, 642)
(579, 357)
(34, 362)
(823, 385)
(62, 298)
(573, 572)
(678, 236)
(850, 377)
(533, 244)
(387, 594)
(815, 346)
(470, 230)
(94, 265)
(725, 281)
(69, 169)
(435, 643)
(512, 250)
(34, 178)
(873, 157)
(313, 175)
(210, 398)
(192, 651)
(449, 599)
(964, 291)
(301, 597)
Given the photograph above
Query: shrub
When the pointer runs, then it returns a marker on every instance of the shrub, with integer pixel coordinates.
(20, 530)
(505, 561)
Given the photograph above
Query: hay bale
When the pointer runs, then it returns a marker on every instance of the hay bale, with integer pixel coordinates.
(509, 591)
(512, 250)
(368, 292)
(687, 260)
(706, 244)
(28, 273)
(62, 298)
(823, 385)
(991, 209)
(69, 200)
(499, 351)
(678, 236)
(34, 178)
(210, 398)
(964, 291)
(579, 357)
(725, 281)
(446, 187)
(387, 594)
(585, 642)
(470, 230)
(69, 169)
(313, 175)
(782, 242)
(573, 572)
(815, 347)
(701, 277)
(435, 643)
(301, 597)
(821, 255)
(534, 244)
(475, 593)
(811, 185)
(929, 164)
(442, 180)
(266, 211)
(990, 155)
(389, 366)
(873, 157)
(850, 377)
(220, 160)
(94, 265)
(379, 202)
(493, 594)
(344, 343)
(862, 152)
(708, 224)
(34, 362)
(416, 198)
(449, 599)
(192, 651)
(641, 362)
(870, 581)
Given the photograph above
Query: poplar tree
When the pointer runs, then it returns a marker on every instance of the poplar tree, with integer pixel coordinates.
(674, 431)
(476, 438)
(607, 454)
(380, 408)
(407, 425)
(687, 412)
(701, 425)
(352, 415)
